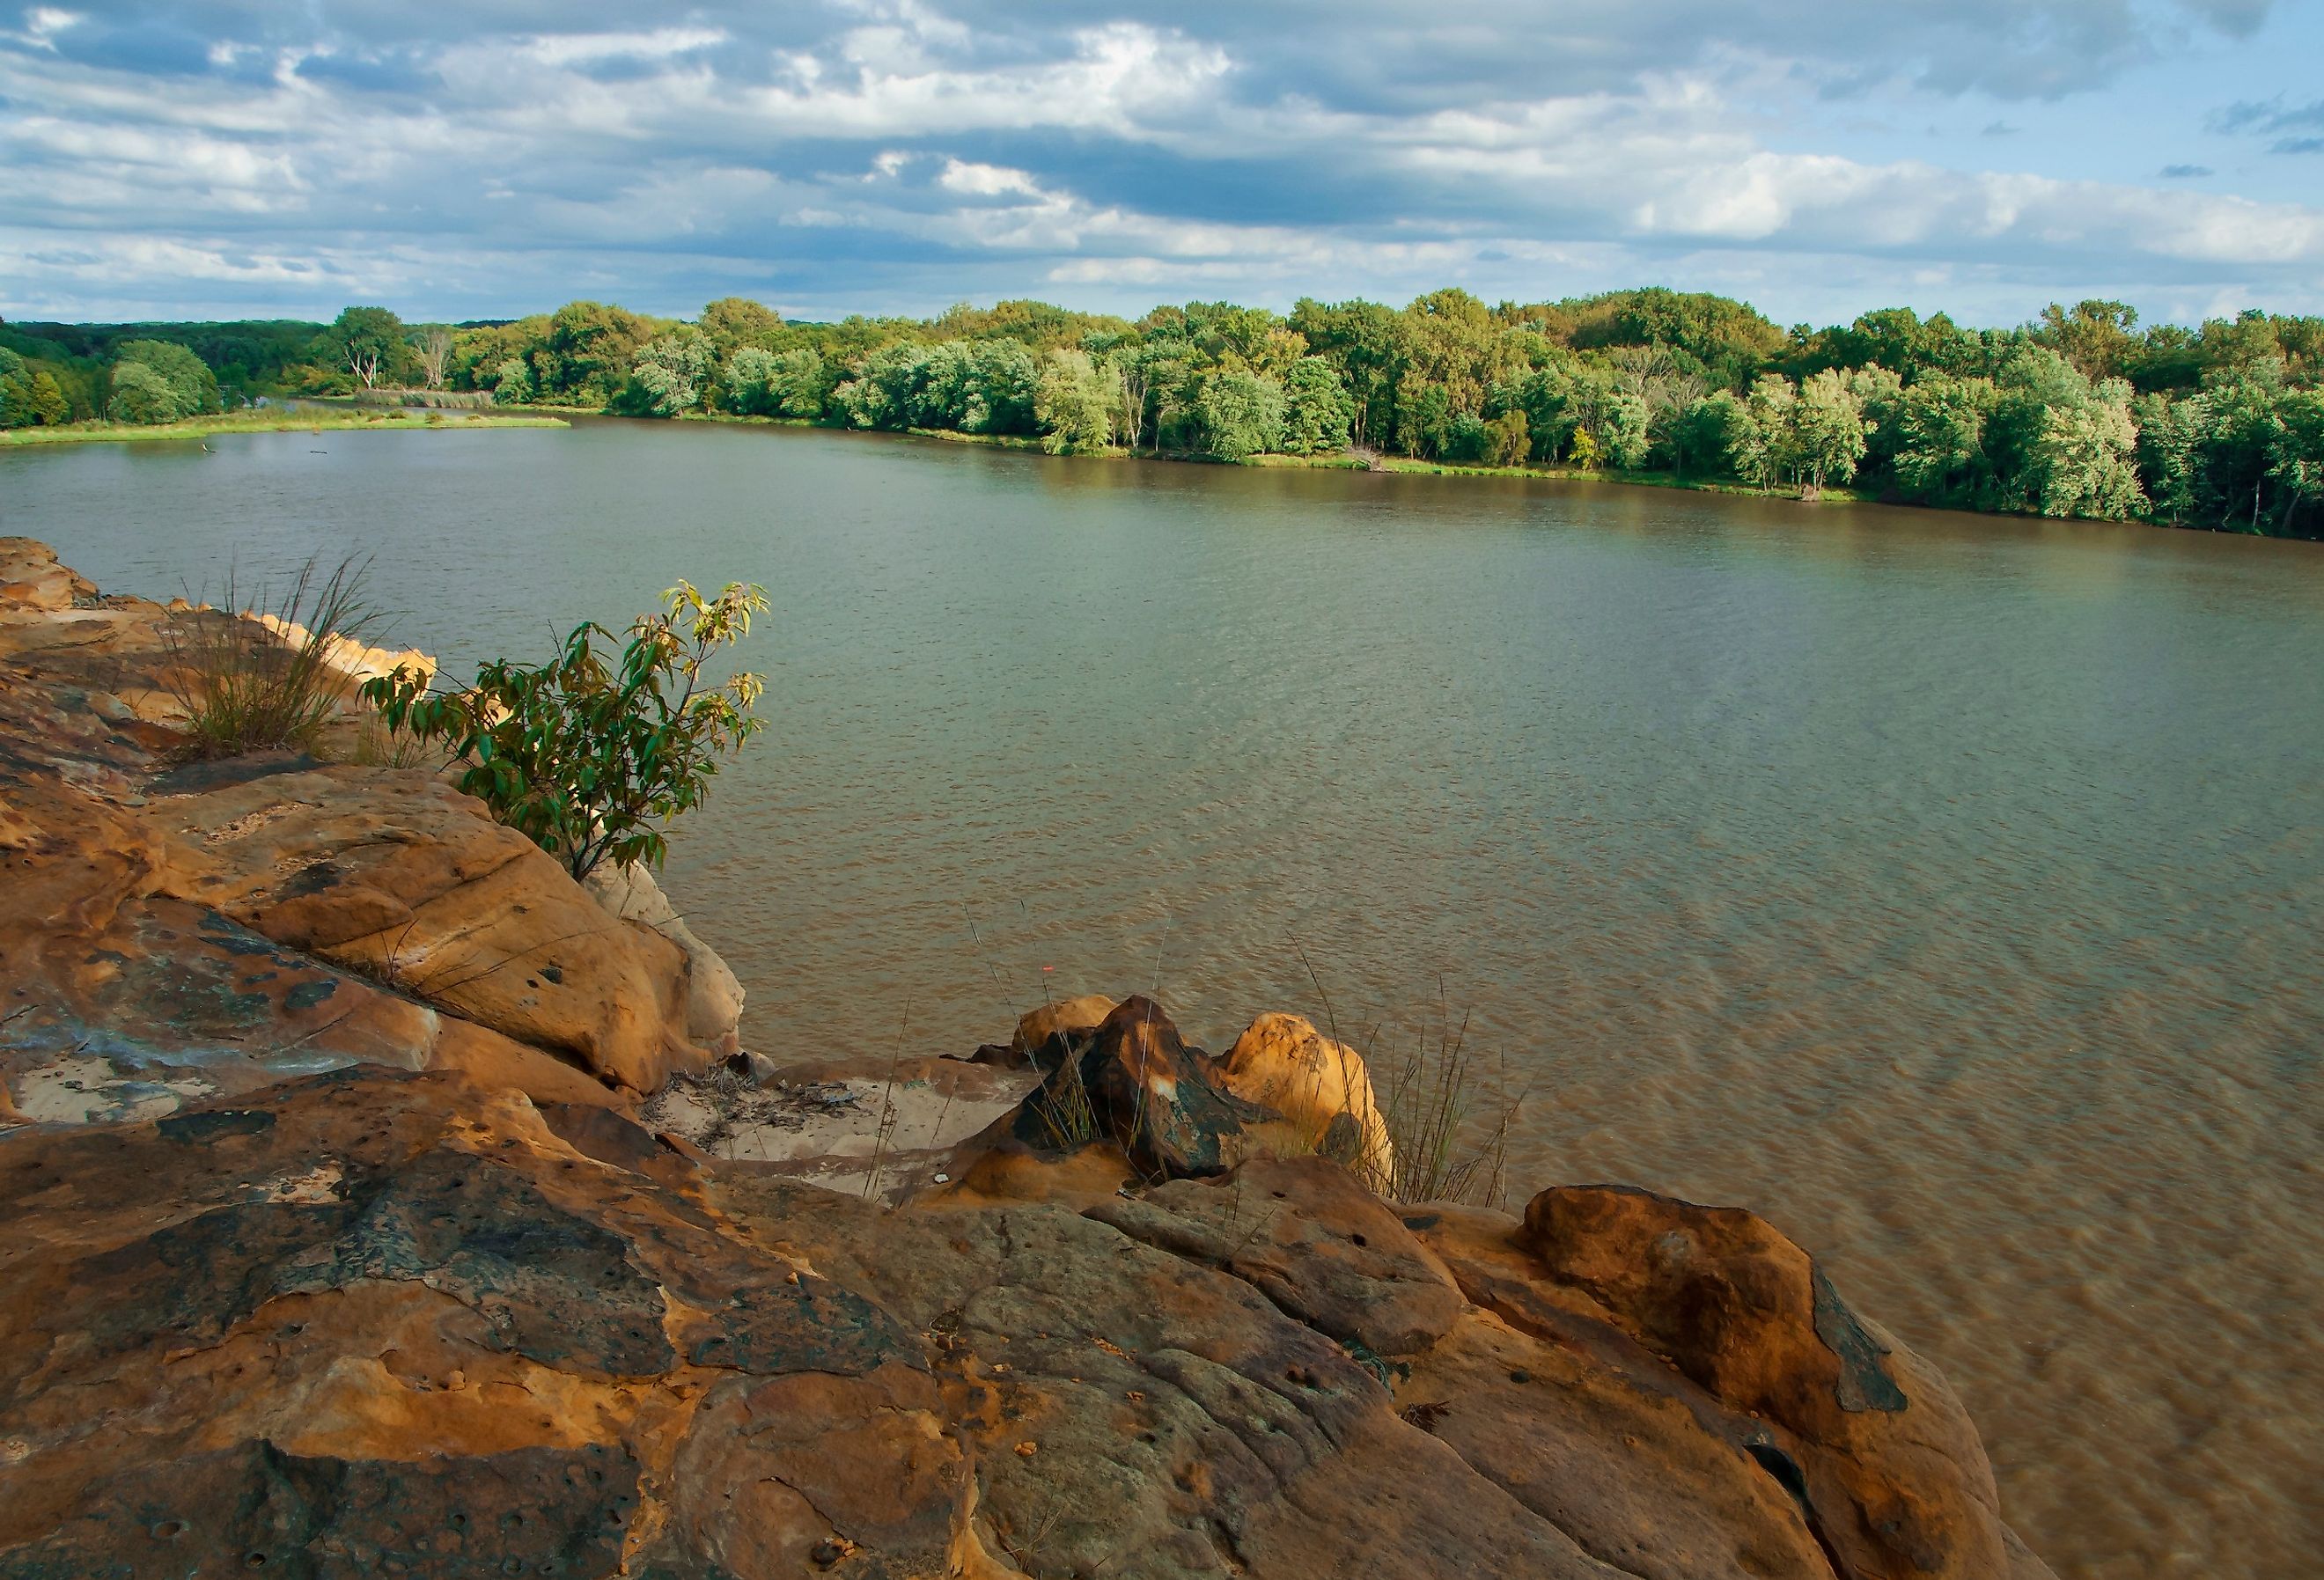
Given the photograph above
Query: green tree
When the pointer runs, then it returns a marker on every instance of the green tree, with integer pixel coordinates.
(1823, 437)
(513, 381)
(142, 395)
(1760, 448)
(2296, 458)
(770, 383)
(193, 388)
(1076, 403)
(49, 407)
(1941, 439)
(733, 322)
(586, 352)
(1508, 440)
(667, 375)
(16, 391)
(591, 754)
(1318, 409)
(2085, 461)
(1623, 432)
(368, 342)
(1703, 437)
(1002, 381)
(2096, 336)
(1242, 415)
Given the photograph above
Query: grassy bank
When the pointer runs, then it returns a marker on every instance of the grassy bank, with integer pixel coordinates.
(1641, 479)
(308, 419)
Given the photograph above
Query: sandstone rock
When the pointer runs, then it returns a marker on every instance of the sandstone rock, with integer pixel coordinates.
(1180, 1424)
(714, 998)
(370, 1323)
(1282, 1062)
(1136, 1082)
(136, 889)
(1071, 1017)
(1304, 1233)
(380, 1319)
(1891, 1465)
(394, 873)
(30, 579)
(1597, 1450)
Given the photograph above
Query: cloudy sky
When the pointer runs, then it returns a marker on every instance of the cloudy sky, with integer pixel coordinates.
(208, 158)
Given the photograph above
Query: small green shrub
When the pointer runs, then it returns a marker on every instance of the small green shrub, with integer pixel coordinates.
(589, 754)
(245, 688)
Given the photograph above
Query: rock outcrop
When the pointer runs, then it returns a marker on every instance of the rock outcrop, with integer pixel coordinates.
(180, 931)
(341, 1242)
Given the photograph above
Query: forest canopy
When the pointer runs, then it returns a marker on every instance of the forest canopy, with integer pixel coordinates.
(2081, 411)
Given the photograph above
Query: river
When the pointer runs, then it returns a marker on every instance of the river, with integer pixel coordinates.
(1950, 890)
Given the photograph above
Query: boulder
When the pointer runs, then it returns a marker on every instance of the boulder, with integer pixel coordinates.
(714, 998)
(1886, 1457)
(395, 874)
(31, 581)
(1071, 1017)
(1283, 1063)
(1136, 1082)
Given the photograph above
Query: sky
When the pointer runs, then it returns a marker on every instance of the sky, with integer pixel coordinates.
(183, 159)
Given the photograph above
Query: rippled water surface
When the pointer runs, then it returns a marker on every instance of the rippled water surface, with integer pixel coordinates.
(1950, 890)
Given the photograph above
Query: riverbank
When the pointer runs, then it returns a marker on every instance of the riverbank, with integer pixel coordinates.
(356, 1213)
(273, 420)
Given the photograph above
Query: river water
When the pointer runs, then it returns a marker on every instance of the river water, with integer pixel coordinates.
(1950, 890)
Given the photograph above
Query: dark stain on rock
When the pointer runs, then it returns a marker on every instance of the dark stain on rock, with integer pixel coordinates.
(308, 995)
(224, 772)
(1864, 1383)
(554, 974)
(550, 1286)
(210, 1125)
(808, 1325)
(555, 1288)
(315, 878)
(255, 1508)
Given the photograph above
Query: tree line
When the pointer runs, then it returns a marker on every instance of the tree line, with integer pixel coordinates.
(2081, 412)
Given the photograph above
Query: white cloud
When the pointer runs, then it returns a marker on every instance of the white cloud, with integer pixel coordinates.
(985, 180)
(907, 153)
(560, 51)
(42, 24)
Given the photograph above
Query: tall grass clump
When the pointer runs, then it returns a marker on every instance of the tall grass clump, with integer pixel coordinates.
(1448, 1117)
(245, 688)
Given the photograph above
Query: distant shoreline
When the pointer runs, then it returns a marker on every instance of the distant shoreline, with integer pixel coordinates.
(1344, 461)
(270, 420)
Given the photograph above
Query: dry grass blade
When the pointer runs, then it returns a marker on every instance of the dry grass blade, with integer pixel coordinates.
(1062, 1106)
(245, 688)
(1445, 1149)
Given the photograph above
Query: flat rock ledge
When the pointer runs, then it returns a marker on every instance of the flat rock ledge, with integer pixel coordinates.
(325, 1259)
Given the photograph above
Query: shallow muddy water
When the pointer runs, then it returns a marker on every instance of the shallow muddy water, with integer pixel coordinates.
(1950, 890)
